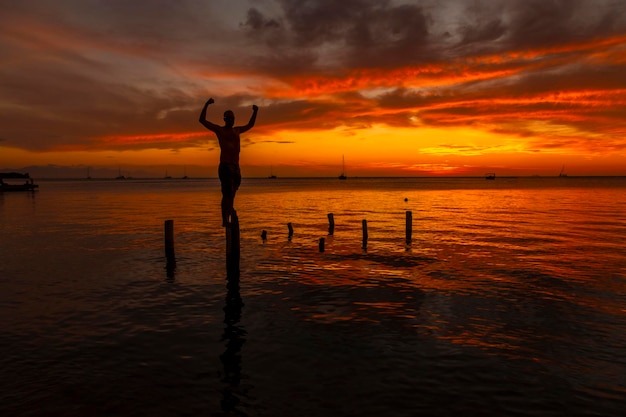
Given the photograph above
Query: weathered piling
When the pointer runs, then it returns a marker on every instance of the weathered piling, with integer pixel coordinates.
(169, 242)
(264, 235)
(290, 227)
(365, 235)
(409, 227)
(233, 248)
(331, 224)
(321, 244)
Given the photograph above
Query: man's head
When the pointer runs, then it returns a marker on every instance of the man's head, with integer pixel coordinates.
(229, 118)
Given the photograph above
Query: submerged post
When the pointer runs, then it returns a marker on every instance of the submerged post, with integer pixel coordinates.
(264, 235)
(331, 224)
(365, 235)
(321, 245)
(290, 227)
(409, 227)
(233, 248)
(169, 242)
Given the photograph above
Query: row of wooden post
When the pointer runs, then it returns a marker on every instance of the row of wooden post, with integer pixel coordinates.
(331, 231)
(233, 249)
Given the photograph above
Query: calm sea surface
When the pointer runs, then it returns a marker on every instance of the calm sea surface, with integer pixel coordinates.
(509, 301)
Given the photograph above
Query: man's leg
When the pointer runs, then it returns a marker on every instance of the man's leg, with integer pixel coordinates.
(231, 179)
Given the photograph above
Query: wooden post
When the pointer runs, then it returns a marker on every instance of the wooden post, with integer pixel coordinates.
(264, 235)
(331, 224)
(290, 227)
(365, 235)
(322, 240)
(169, 241)
(233, 248)
(409, 226)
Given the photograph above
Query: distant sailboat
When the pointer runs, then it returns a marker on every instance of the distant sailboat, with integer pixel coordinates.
(167, 177)
(185, 177)
(343, 169)
(272, 176)
(490, 176)
(120, 176)
(562, 173)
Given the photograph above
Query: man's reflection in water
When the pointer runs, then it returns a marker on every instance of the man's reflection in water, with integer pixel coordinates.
(234, 335)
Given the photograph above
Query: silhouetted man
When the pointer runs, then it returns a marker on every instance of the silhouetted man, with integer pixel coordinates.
(228, 138)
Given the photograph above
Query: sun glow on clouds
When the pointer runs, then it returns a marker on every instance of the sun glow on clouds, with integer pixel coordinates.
(403, 149)
(483, 119)
(399, 88)
(459, 71)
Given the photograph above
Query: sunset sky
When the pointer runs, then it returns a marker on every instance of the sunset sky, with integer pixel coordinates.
(400, 88)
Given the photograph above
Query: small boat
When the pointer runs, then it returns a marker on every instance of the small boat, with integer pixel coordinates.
(343, 176)
(28, 185)
(562, 173)
(272, 176)
(490, 176)
(120, 176)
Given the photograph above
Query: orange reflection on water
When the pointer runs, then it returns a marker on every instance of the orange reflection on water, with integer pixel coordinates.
(502, 266)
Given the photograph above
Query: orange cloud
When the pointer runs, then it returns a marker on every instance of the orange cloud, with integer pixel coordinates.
(460, 70)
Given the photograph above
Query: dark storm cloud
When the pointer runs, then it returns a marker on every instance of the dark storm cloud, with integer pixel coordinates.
(541, 22)
(314, 22)
(390, 37)
(521, 24)
(367, 32)
(258, 23)
(385, 34)
(487, 32)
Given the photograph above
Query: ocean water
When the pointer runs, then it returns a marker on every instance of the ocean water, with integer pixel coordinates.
(510, 299)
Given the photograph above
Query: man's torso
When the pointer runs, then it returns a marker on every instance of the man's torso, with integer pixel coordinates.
(229, 144)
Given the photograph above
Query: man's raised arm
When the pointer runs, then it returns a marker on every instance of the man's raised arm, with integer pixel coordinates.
(203, 120)
(250, 124)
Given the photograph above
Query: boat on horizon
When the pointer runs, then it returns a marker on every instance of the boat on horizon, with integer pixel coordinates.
(490, 176)
(28, 185)
(343, 176)
(119, 175)
(562, 173)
